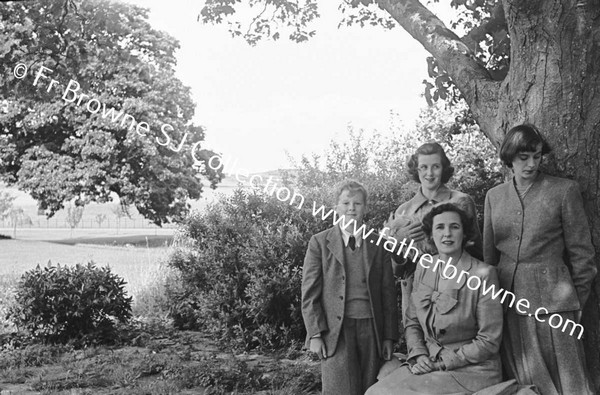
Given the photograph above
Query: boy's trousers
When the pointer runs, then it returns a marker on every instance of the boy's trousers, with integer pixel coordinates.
(355, 364)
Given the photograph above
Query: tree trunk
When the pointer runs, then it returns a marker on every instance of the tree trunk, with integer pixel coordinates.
(553, 82)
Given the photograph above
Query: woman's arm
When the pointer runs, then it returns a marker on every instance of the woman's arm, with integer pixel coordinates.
(578, 242)
(490, 253)
(415, 339)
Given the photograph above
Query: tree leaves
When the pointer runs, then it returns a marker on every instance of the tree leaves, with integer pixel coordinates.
(269, 18)
(58, 148)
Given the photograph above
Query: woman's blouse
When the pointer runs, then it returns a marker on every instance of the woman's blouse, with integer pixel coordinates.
(419, 206)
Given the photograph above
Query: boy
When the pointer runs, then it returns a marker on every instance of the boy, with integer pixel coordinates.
(349, 299)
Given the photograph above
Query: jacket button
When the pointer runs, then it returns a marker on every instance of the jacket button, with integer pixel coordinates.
(339, 318)
(517, 237)
(544, 271)
(518, 213)
(442, 331)
(341, 297)
(343, 277)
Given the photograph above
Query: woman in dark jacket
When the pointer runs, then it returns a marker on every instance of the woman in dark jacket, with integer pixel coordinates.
(536, 233)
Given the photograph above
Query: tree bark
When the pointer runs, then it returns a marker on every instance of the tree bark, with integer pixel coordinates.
(553, 82)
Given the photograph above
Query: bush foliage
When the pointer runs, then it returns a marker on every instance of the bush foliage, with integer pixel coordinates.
(240, 260)
(80, 303)
(240, 264)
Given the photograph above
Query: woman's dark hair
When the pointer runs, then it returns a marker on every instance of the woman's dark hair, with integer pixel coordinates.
(430, 149)
(522, 138)
(468, 233)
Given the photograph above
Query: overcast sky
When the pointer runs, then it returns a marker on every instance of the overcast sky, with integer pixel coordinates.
(259, 102)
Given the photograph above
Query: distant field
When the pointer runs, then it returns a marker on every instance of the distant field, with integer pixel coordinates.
(139, 265)
(81, 235)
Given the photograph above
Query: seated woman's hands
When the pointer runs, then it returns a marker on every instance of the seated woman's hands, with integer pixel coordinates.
(424, 364)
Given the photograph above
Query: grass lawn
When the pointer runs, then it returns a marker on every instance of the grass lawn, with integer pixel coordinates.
(136, 265)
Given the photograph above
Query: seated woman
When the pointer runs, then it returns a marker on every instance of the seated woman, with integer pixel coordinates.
(453, 330)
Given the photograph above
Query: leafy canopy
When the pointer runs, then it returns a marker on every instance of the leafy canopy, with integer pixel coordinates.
(58, 148)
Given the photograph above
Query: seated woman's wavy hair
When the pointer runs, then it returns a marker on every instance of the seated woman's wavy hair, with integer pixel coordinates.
(442, 208)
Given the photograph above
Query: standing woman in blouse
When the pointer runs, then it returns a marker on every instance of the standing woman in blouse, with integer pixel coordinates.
(536, 233)
(430, 167)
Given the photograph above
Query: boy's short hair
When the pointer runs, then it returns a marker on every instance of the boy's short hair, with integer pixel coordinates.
(522, 138)
(429, 149)
(352, 186)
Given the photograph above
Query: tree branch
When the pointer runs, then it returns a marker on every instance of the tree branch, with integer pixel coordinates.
(495, 23)
(471, 78)
(256, 18)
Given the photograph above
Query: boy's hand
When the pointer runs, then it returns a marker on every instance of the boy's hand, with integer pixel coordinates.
(388, 347)
(317, 345)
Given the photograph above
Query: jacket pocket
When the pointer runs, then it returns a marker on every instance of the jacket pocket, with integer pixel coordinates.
(556, 290)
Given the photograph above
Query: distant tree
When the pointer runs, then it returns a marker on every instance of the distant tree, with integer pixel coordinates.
(17, 217)
(61, 143)
(100, 218)
(6, 203)
(119, 212)
(74, 215)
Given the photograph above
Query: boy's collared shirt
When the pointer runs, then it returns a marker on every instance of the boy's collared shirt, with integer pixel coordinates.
(346, 238)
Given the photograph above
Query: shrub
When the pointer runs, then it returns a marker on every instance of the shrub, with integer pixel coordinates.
(240, 269)
(58, 304)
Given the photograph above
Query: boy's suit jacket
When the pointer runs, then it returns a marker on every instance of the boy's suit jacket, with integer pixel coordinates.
(324, 288)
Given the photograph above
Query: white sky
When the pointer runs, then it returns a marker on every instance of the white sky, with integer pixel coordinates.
(259, 102)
